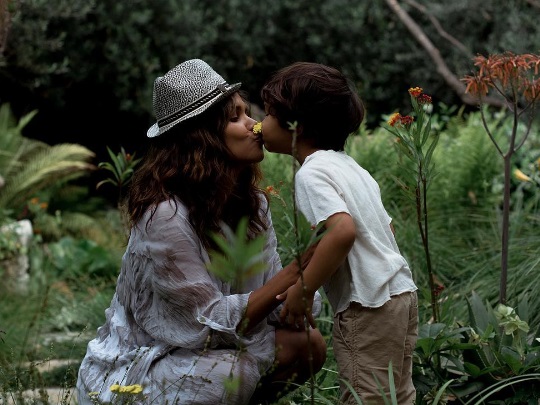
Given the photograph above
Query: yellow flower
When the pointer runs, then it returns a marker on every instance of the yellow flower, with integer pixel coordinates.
(257, 128)
(128, 389)
(518, 174)
(132, 389)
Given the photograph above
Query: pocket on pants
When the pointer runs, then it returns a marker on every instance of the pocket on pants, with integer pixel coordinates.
(342, 347)
(343, 328)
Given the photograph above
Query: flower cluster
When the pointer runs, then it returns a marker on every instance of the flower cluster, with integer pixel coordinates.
(508, 74)
(275, 192)
(272, 190)
(402, 125)
(509, 320)
(397, 119)
(419, 99)
(257, 128)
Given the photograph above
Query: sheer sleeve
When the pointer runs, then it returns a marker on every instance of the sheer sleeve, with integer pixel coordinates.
(178, 300)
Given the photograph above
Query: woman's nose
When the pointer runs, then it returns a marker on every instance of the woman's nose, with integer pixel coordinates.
(252, 123)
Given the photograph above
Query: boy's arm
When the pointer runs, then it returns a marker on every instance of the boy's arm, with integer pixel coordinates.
(330, 253)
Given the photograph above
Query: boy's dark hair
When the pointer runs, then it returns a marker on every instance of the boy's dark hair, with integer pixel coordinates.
(319, 98)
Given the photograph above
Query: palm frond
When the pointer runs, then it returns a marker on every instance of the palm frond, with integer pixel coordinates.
(42, 167)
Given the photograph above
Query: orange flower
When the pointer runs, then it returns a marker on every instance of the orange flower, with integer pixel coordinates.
(507, 73)
(415, 91)
(424, 99)
(406, 120)
(272, 190)
(394, 118)
(397, 119)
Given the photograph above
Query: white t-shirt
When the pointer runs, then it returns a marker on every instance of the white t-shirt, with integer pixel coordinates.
(330, 182)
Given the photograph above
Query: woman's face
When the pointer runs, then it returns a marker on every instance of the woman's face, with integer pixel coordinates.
(244, 146)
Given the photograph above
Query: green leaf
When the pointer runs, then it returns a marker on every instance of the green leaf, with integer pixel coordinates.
(512, 359)
(478, 315)
(237, 257)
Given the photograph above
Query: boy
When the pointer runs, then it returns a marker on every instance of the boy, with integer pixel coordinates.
(367, 281)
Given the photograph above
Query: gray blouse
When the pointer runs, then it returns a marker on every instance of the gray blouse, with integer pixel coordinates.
(171, 325)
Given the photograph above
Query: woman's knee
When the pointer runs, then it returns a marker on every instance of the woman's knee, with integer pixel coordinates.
(318, 348)
(301, 348)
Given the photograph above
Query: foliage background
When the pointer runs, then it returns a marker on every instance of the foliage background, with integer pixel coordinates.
(88, 66)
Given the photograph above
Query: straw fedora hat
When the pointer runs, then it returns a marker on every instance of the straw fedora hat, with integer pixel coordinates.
(186, 91)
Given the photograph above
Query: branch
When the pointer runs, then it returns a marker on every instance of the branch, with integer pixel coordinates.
(534, 3)
(451, 79)
(442, 32)
(5, 22)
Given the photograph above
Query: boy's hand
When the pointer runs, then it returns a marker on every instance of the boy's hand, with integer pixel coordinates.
(295, 308)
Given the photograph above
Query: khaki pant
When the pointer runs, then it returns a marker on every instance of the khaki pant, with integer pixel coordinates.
(366, 340)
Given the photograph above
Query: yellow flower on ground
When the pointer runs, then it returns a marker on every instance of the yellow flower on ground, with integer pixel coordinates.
(131, 389)
(257, 128)
(518, 174)
(128, 389)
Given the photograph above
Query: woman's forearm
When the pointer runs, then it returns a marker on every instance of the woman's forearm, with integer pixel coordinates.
(263, 300)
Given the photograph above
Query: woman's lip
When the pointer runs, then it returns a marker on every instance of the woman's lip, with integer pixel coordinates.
(258, 137)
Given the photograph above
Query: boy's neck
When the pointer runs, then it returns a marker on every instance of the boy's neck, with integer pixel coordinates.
(303, 150)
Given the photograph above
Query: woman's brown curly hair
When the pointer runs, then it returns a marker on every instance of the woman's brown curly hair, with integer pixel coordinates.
(192, 163)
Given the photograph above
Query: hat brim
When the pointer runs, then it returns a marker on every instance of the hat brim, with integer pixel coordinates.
(156, 130)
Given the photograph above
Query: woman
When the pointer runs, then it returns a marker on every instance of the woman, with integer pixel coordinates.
(174, 327)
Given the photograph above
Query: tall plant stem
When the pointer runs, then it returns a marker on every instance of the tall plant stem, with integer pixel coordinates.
(301, 267)
(505, 231)
(505, 237)
(422, 219)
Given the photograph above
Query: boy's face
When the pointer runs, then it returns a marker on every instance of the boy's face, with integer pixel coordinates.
(276, 139)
